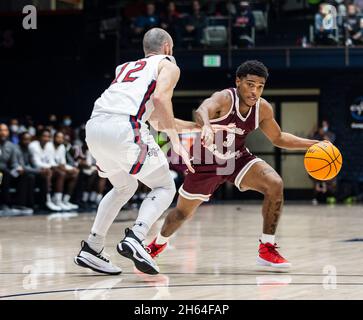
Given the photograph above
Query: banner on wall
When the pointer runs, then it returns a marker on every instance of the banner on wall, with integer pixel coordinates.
(356, 113)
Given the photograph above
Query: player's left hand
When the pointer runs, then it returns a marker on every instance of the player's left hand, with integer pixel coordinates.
(180, 150)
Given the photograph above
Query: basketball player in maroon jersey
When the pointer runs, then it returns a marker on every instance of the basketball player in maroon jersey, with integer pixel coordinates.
(214, 156)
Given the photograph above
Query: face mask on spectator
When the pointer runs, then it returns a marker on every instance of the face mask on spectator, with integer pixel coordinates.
(326, 128)
(67, 122)
(14, 128)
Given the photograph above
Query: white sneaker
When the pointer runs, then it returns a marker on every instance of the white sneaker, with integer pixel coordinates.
(132, 248)
(63, 205)
(71, 205)
(52, 206)
(88, 258)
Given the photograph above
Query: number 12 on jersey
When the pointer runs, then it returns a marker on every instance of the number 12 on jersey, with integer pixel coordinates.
(139, 65)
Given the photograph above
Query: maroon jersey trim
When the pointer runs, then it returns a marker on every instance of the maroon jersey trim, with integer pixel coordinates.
(231, 91)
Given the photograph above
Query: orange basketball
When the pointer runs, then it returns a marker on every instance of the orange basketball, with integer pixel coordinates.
(323, 161)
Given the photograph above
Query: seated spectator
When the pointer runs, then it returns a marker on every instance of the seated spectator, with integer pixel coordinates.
(195, 24)
(13, 174)
(359, 5)
(43, 154)
(324, 26)
(66, 127)
(353, 26)
(324, 192)
(28, 126)
(242, 26)
(223, 8)
(145, 22)
(170, 21)
(40, 176)
(327, 134)
(70, 172)
(14, 130)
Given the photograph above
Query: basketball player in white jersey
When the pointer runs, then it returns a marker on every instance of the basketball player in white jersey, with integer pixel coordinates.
(125, 151)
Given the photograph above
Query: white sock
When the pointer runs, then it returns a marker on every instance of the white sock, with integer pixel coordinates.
(96, 242)
(99, 198)
(49, 199)
(58, 197)
(160, 239)
(93, 196)
(66, 198)
(270, 238)
(85, 196)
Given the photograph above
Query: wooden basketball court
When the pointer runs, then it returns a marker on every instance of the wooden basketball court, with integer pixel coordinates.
(211, 257)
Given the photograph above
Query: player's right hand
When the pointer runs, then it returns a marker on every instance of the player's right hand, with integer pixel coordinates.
(207, 135)
(180, 150)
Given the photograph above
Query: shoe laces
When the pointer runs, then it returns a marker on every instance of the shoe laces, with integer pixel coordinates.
(104, 256)
(272, 248)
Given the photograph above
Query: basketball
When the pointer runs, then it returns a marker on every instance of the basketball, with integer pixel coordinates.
(323, 161)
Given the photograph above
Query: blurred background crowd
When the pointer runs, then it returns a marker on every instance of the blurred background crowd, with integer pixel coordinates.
(48, 168)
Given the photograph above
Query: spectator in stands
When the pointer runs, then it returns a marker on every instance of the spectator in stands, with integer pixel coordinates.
(28, 126)
(170, 21)
(324, 26)
(70, 172)
(148, 21)
(66, 127)
(353, 26)
(40, 176)
(195, 24)
(328, 135)
(359, 5)
(14, 130)
(43, 154)
(12, 174)
(221, 8)
(52, 124)
(242, 26)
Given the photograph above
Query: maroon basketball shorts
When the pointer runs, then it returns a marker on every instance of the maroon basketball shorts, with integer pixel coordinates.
(202, 184)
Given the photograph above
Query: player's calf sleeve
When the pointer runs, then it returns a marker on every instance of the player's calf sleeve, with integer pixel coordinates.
(110, 206)
(153, 206)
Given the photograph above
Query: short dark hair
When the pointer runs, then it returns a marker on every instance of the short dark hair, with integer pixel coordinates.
(21, 135)
(40, 132)
(253, 67)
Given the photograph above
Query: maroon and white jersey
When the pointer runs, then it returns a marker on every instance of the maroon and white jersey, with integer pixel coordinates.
(227, 146)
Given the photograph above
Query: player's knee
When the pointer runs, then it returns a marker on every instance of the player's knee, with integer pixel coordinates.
(61, 174)
(129, 188)
(170, 189)
(274, 187)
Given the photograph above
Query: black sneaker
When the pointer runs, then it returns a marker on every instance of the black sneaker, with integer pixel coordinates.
(132, 248)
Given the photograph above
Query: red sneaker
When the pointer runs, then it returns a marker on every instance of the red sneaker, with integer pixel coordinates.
(154, 249)
(269, 256)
